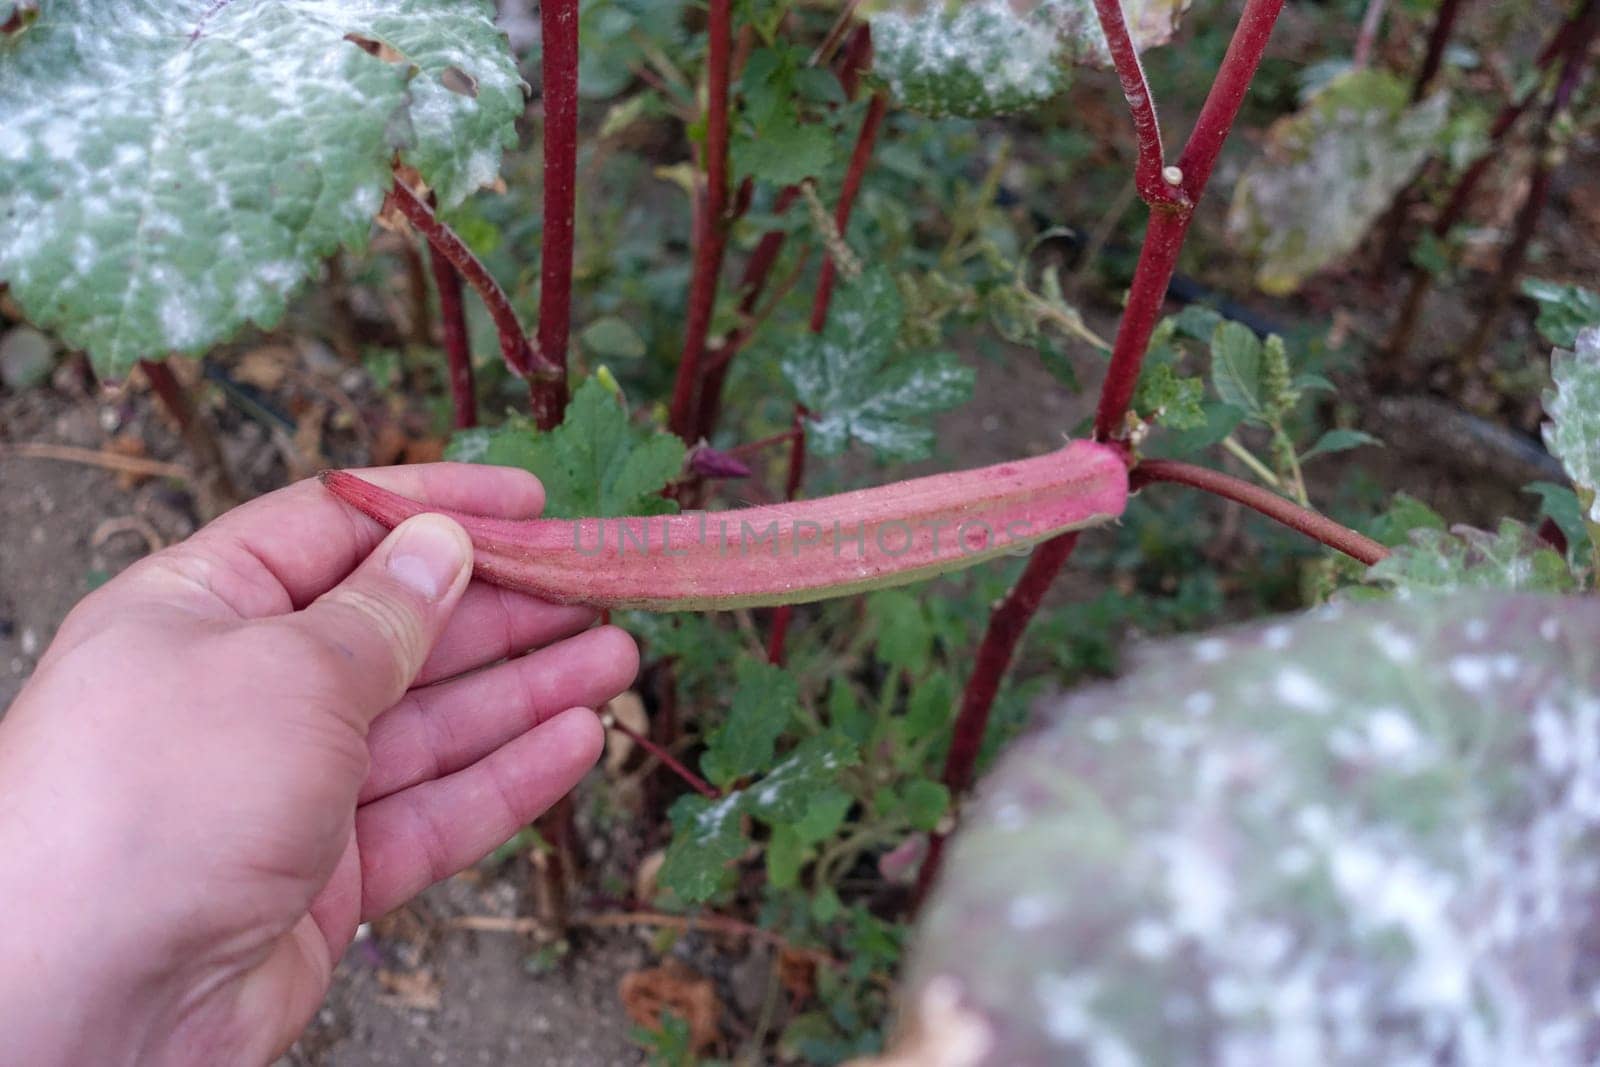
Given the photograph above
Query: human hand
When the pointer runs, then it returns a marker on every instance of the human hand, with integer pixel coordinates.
(245, 745)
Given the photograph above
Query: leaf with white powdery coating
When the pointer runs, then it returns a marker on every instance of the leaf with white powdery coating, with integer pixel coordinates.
(1328, 172)
(856, 388)
(1564, 310)
(169, 172)
(980, 58)
(1512, 559)
(1364, 836)
(1573, 432)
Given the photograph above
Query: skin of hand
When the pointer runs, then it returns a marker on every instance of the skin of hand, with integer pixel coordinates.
(247, 744)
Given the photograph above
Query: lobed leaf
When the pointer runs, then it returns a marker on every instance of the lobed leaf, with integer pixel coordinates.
(849, 378)
(1328, 172)
(1364, 836)
(169, 172)
(596, 463)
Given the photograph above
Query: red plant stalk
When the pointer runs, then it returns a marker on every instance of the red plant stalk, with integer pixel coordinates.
(1313, 524)
(1153, 186)
(457, 348)
(197, 435)
(1169, 222)
(667, 759)
(1444, 24)
(519, 355)
(710, 233)
(558, 20)
(752, 283)
(1370, 23)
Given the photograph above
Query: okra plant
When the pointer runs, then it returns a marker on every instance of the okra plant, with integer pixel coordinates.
(1234, 856)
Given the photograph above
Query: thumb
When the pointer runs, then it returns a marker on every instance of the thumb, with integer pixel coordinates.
(380, 623)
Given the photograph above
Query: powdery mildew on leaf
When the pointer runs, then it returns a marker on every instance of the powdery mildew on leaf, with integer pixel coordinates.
(992, 57)
(1512, 559)
(1573, 432)
(1367, 836)
(170, 171)
(1328, 172)
(850, 377)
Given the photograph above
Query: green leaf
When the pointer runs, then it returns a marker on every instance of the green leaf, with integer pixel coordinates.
(904, 638)
(1564, 310)
(611, 337)
(707, 835)
(613, 36)
(1328, 172)
(764, 700)
(824, 815)
(924, 802)
(596, 463)
(979, 58)
(1339, 441)
(786, 854)
(855, 388)
(785, 154)
(171, 172)
(1573, 432)
(1560, 505)
(1404, 514)
(1236, 369)
(1250, 821)
(784, 796)
(930, 707)
(1512, 559)
(1172, 400)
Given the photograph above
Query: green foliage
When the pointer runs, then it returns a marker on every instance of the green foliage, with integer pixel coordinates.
(1328, 172)
(1565, 311)
(170, 173)
(764, 699)
(616, 36)
(857, 385)
(774, 142)
(596, 463)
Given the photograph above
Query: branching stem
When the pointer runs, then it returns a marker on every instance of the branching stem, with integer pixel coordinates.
(1311, 523)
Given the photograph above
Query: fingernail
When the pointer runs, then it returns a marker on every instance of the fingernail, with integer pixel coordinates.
(428, 553)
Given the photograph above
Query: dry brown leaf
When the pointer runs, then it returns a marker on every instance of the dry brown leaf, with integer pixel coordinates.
(423, 450)
(797, 972)
(645, 876)
(265, 367)
(418, 990)
(673, 987)
(627, 709)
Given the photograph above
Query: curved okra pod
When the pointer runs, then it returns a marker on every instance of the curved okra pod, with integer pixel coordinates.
(787, 553)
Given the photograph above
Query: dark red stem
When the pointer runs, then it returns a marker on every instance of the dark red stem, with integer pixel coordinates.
(198, 436)
(710, 234)
(1169, 222)
(1444, 24)
(860, 156)
(519, 355)
(1311, 523)
(558, 20)
(457, 348)
(1148, 174)
(667, 759)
